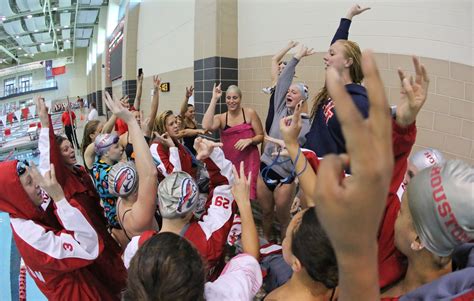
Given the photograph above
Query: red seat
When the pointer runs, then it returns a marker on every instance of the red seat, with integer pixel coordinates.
(8, 132)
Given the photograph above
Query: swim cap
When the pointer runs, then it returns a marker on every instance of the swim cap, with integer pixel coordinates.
(103, 142)
(303, 89)
(123, 179)
(177, 195)
(441, 202)
(426, 158)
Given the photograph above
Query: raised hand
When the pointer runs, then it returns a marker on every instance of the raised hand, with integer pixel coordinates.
(350, 209)
(42, 111)
(166, 140)
(292, 44)
(290, 126)
(241, 185)
(355, 10)
(156, 82)
(242, 144)
(413, 94)
(118, 109)
(49, 182)
(216, 91)
(140, 78)
(304, 51)
(125, 101)
(189, 91)
(204, 147)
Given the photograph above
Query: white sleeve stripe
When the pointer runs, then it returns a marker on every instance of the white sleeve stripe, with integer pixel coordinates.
(130, 250)
(43, 145)
(157, 159)
(217, 216)
(174, 159)
(225, 166)
(82, 244)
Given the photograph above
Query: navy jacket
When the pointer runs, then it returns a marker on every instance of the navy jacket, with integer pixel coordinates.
(325, 135)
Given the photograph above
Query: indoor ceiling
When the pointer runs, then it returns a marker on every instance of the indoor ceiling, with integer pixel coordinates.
(45, 28)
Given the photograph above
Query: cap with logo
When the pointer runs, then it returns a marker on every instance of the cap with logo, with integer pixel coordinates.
(441, 202)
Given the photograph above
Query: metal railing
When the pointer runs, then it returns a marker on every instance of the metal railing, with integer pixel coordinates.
(27, 89)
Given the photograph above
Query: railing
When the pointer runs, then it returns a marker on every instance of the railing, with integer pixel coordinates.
(27, 89)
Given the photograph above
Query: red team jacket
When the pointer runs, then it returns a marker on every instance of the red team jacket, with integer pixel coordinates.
(93, 278)
(209, 234)
(172, 159)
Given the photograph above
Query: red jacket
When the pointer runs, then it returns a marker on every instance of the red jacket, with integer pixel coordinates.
(172, 159)
(58, 259)
(108, 268)
(209, 234)
(65, 118)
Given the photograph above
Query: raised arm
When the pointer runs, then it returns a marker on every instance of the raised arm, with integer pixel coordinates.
(74, 247)
(144, 208)
(210, 122)
(49, 150)
(241, 193)
(342, 32)
(343, 203)
(138, 96)
(286, 77)
(276, 60)
(290, 128)
(155, 101)
(184, 105)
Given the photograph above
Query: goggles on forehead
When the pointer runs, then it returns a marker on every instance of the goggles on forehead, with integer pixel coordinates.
(113, 141)
(21, 167)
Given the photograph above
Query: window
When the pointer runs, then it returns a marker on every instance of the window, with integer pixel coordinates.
(9, 86)
(24, 83)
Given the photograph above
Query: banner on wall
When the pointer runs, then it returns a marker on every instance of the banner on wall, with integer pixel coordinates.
(18, 115)
(25, 112)
(3, 119)
(48, 68)
(59, 70)
(10, 117)
(32, 110)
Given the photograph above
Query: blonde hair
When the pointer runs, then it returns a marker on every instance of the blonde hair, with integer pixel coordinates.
(351, 51)
(160, 122)
(234, 88)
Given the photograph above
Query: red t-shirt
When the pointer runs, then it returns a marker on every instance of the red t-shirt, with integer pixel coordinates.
(120, 126)
(65, 118)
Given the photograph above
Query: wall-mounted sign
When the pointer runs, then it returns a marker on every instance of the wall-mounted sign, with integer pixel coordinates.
(165, 87)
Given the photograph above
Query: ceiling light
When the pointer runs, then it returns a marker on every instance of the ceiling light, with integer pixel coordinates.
(55, 8)
(4, 18)
(42, 44)
(66, 11)
(62, 50)
(19, 48)
(29, 16)
(32, 54)
(58, 29)
(17, 37)
(36, 30)
(66, 26)
(59, 40)
(67, 40)
(26, 54)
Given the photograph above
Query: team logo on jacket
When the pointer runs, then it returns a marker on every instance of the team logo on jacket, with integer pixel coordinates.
(125, 180)
(188, 194)
(328, 110)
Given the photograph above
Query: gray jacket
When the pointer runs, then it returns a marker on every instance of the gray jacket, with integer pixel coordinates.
(281, 111)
